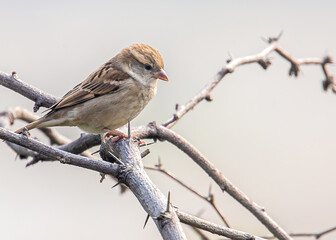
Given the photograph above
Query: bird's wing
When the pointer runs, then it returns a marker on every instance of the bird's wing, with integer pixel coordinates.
(103, 81)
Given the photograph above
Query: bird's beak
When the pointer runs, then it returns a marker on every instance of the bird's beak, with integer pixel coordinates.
(161, 75)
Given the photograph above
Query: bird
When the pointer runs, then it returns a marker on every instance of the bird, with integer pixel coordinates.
(111, 96)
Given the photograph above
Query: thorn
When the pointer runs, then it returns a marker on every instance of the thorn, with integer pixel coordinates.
(115, 185)
(159, 165)
(327, 59)
(115, 158)
(210, 187)
(168, 203)
(177, 107)
(14, 75)
(147, 144)
(274, 39)
(325, 84)
(210, 196)
(230, 58)
(294, 70)
(95, 152)
(265, 63)
(102, 175)
(208, 98)
(37, 105)
(279, 36)
(147, 218)
(32, 162)
(145, 153)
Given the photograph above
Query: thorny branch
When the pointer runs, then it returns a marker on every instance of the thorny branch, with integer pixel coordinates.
(210, 198)
(42, 99)
(263, 60)
(161, 132)
(120, 172)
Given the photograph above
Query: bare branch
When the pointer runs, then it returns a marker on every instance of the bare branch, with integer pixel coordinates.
(262, 59)
(152, 200)
(40, 98)
(54, 153)
(160, 132)
(214, 228)
(131, 174)
(210, 199)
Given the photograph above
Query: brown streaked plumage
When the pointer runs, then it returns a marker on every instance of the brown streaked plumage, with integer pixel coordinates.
(110, 96)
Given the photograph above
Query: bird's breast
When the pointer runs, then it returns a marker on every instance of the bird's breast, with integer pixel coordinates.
(111, 110)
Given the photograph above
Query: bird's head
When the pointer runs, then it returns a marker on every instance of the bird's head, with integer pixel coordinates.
(144, 63)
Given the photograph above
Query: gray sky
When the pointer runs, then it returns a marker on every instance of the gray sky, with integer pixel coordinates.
(271, 135)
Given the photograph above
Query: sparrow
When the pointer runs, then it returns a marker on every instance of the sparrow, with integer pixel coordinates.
(111, 96)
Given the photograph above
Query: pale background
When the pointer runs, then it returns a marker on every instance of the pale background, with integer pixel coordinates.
(273, 136)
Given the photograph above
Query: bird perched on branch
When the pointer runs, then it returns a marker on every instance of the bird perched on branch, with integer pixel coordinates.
(111, 96)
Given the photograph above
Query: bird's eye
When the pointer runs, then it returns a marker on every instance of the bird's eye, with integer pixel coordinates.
(148, 67)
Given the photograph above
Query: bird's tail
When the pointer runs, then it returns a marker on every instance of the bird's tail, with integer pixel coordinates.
(31, 125)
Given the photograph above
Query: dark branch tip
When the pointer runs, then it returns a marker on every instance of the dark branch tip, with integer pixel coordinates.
(159, 164)
(102, 177)
(265, 63)
(325, 84)
(37, 105)
(274, 39)
(208, 98)
(327, 60)
(294, 70)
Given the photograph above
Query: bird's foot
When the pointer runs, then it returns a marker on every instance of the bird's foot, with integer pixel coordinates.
(117, 135)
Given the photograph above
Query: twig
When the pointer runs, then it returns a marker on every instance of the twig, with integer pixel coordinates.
(210, 198)
(214, 228)
(262, 59)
